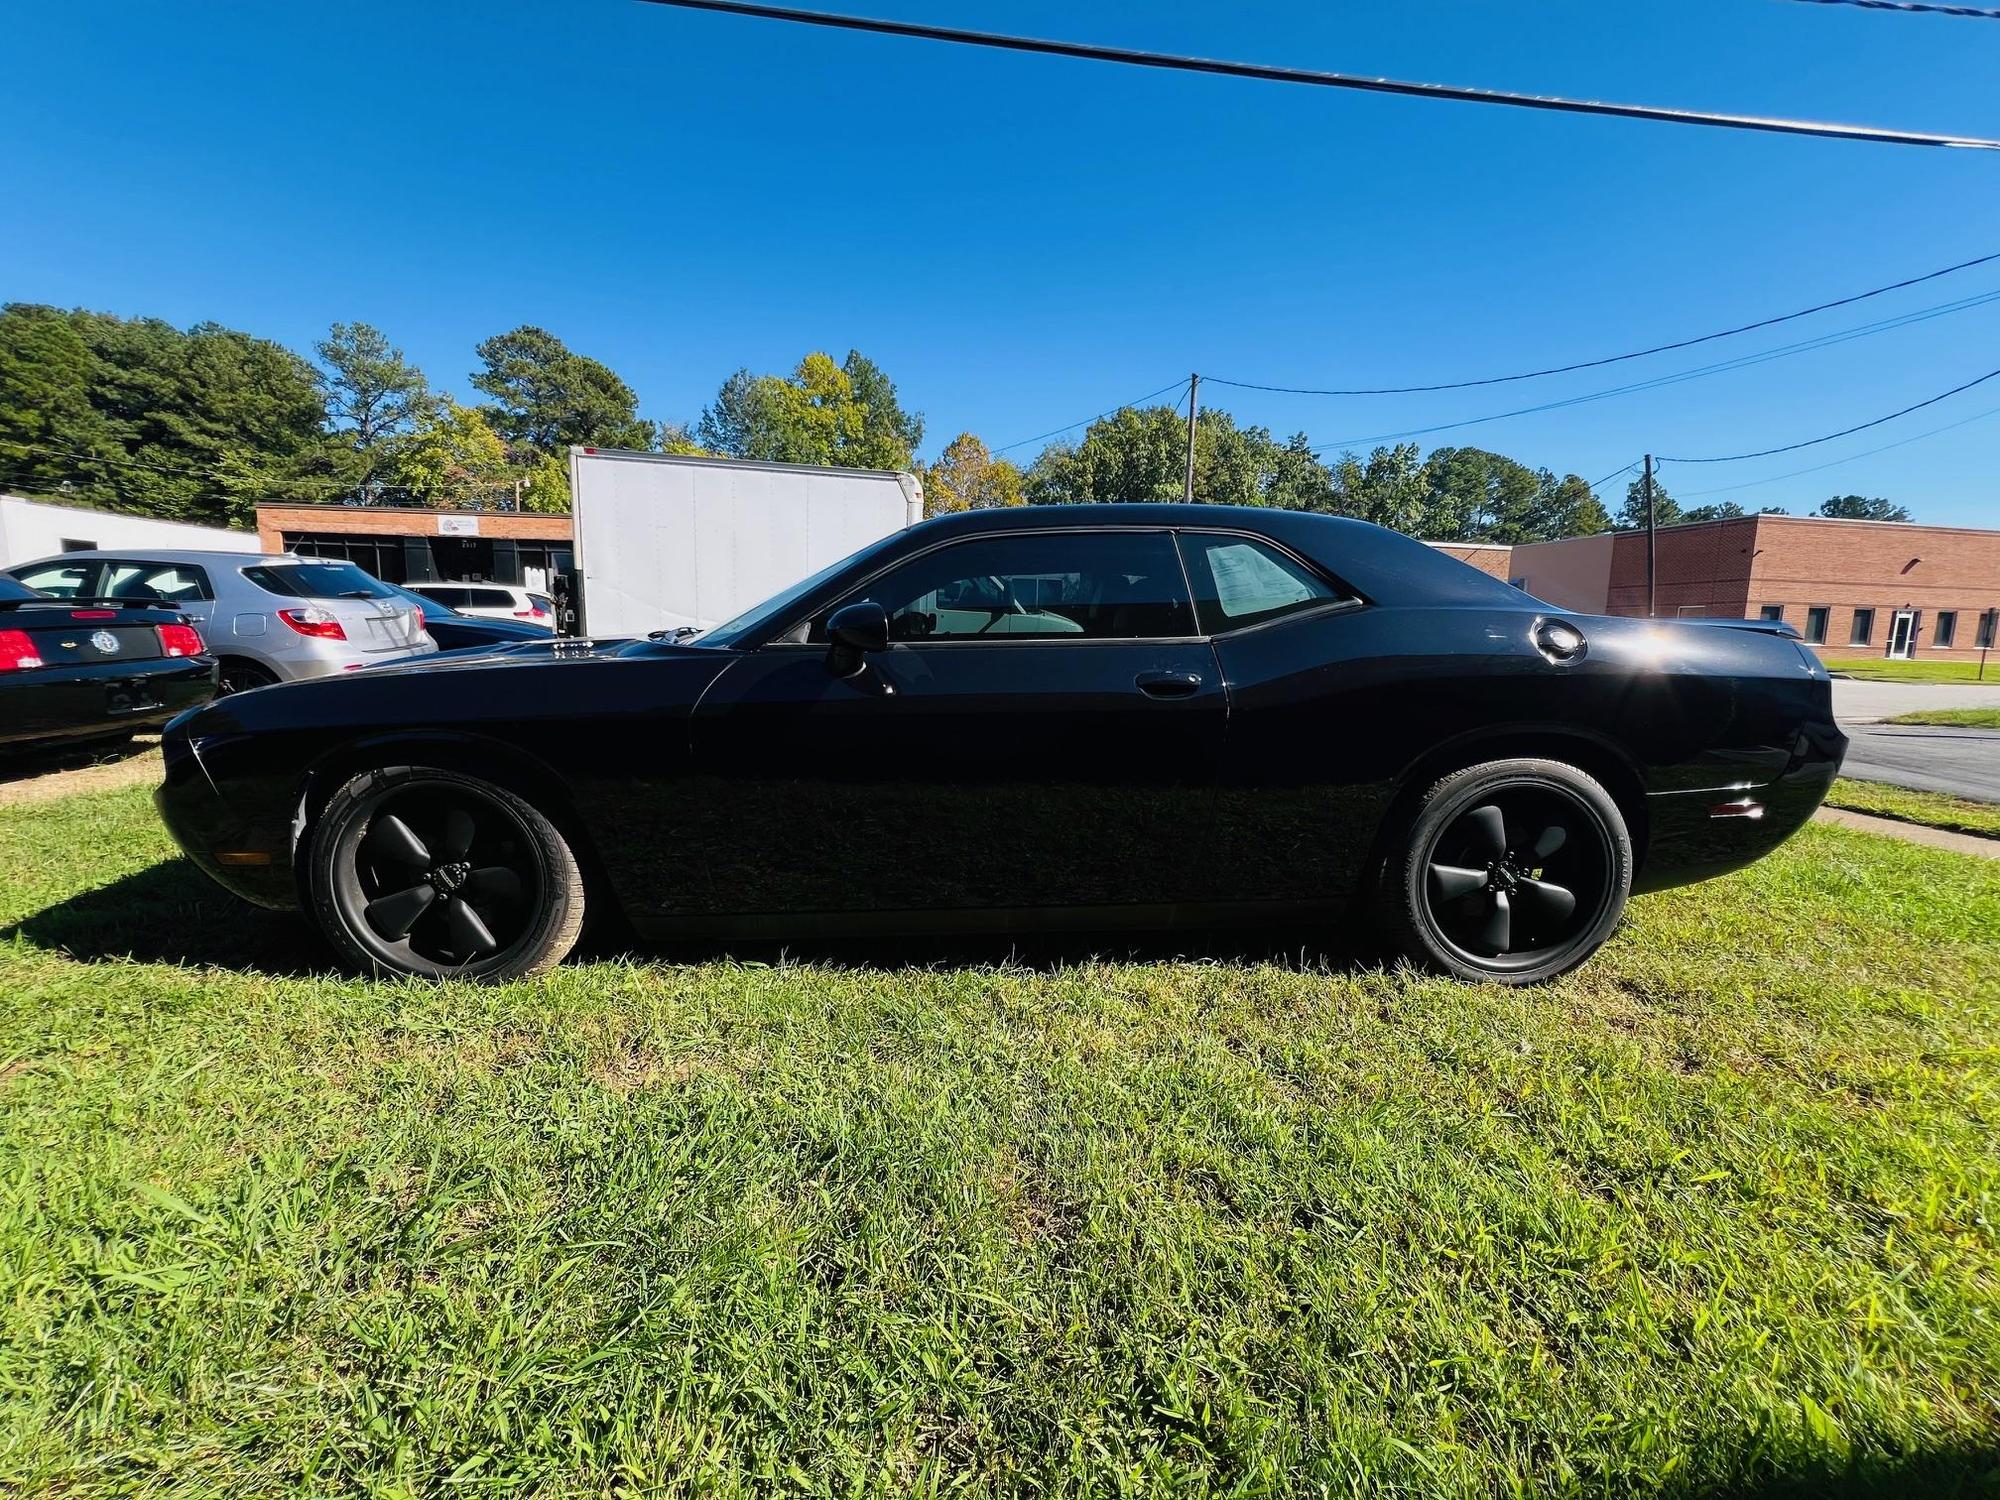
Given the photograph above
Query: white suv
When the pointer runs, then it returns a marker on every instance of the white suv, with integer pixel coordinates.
(491, 601)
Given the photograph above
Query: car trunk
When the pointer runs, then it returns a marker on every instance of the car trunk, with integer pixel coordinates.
(65, 635)
(378, 625)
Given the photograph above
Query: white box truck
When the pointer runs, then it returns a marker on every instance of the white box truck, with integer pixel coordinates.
(664, 542)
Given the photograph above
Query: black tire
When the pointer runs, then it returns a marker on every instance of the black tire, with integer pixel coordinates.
(1513, 871)
(238, 675)
(420, 871)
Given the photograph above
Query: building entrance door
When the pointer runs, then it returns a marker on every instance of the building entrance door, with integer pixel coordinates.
(1902, 633)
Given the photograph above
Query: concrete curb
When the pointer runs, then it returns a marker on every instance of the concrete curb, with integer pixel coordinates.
(1912, 833)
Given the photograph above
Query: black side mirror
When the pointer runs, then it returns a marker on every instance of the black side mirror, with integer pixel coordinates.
(854, 631)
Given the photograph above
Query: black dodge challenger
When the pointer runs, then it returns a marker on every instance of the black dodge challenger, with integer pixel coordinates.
(1087, 716)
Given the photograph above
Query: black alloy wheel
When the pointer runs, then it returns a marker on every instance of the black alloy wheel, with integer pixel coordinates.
(433, 873)
(1515, 871)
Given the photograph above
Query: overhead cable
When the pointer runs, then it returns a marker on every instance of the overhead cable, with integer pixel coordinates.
(1133, 57)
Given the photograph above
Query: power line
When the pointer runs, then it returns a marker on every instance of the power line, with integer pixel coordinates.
(1612, 359)
(1318, 79)
(1599, 484)
(1681, 377)
(1730, 458)
(1751, 484)
(1177, 387)
(1914, 7)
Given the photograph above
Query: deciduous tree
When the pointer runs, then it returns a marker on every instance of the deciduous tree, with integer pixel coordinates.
(968, 477)
(822, 413)
(453, 458)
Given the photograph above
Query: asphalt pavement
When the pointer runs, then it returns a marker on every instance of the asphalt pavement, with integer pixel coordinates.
(1961, 762)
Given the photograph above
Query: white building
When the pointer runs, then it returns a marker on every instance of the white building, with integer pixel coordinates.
(31, 529)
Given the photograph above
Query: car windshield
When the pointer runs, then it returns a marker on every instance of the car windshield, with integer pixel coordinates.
(9, 589)
(760, 617)
(319, 580)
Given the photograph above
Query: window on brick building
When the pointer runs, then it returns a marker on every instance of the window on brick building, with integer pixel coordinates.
(1864, 626)
(1816, 624)
(1771, 612)
(1988, 623)
(1946, 628)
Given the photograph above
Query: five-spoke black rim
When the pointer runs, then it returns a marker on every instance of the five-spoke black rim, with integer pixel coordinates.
(1520, 876)
(446, 877)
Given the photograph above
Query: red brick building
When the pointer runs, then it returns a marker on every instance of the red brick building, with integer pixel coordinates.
(402, 544)
(1491, 558)
(1853, 588)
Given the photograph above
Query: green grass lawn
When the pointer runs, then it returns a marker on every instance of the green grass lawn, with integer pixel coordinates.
(1716, 1216)
(1932, 809)
(1963, 718)
(1882, 669)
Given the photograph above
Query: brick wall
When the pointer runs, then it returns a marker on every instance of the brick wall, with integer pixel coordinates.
(1735, 569)
(1850, 565)
(1490, 559)
(1702, 570)
(273, 521)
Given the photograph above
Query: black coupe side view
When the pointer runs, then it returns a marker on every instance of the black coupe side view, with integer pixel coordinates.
(1084, 716)
(84, 671)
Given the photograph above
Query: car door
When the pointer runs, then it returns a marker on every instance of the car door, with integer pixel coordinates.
(1042, 732)
(1301, 790)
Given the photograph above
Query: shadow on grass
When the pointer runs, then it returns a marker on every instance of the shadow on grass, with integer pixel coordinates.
(1945, 1472)
(170, 913)
(86, 755)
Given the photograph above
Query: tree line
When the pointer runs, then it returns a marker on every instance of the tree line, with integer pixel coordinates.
(202, 424)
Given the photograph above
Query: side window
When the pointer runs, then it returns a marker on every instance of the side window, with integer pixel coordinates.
(63, 580)
(1083, 585)
(1240, 582)
(177, 582)
(490, 598)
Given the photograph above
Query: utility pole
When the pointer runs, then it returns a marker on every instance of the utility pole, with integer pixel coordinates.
(1194, 410)
(1652, 544)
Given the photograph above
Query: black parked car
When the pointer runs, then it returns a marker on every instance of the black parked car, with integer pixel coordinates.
(456, 632)
(80, 670)
(1078, 715)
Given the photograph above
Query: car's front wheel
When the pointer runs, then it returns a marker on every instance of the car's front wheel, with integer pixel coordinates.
(423, 871)
(1513, 871)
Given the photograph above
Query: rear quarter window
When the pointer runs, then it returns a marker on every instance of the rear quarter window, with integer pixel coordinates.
(1240, 581)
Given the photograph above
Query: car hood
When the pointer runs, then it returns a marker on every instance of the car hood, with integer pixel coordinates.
(532, 653)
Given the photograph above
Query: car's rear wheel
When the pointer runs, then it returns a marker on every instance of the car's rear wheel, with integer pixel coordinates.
(238, 675)
(1512, 871)
(417, 870)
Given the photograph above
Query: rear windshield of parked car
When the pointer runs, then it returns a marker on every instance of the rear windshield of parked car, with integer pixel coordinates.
(9, 589)
(318, 580)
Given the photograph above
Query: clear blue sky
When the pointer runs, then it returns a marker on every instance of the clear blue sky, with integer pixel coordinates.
(1022, 242)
